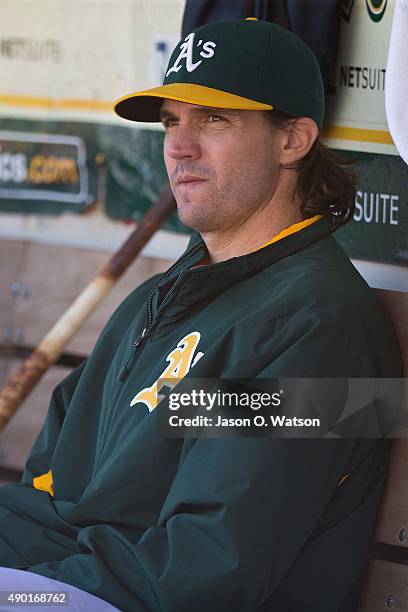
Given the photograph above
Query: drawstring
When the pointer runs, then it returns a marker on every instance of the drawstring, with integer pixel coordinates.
(125, 369)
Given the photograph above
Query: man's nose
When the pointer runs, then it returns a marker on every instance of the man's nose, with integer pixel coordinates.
(183, 144)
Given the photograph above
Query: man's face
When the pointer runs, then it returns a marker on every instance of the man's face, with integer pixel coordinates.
(222, 164)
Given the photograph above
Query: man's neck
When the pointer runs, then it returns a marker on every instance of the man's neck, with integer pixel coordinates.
(247, 237)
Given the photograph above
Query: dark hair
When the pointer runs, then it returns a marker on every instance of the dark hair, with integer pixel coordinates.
(326, 184)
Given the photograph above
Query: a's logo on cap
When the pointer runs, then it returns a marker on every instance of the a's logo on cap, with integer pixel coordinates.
(187, 53)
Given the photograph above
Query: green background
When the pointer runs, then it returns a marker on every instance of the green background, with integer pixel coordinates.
(126, 163)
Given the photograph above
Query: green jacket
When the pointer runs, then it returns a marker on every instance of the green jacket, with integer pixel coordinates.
(147, 522)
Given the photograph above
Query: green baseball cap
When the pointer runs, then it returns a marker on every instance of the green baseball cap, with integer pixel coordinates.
(245, 64)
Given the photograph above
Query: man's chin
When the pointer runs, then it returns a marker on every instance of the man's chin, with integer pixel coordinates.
(195, 219)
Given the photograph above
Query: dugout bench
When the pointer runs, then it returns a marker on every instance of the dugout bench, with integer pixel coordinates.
(386, 581)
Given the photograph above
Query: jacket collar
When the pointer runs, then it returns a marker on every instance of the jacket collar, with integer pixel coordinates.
(206, 281)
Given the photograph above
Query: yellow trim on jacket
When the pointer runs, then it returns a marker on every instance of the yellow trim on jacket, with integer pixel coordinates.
(292, 229)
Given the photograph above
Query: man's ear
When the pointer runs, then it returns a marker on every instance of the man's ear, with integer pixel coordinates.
(298, 140)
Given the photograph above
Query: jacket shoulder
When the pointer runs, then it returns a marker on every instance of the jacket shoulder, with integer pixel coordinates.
(322, 276)
(328, 308)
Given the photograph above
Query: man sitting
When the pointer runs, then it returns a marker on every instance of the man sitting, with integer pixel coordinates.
(111, 504)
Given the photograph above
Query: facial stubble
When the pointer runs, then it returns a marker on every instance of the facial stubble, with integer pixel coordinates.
(212, 207)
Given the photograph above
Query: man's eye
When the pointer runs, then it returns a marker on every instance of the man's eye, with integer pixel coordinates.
(168, 123)
(215, 118)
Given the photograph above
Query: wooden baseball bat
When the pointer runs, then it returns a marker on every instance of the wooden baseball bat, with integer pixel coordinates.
(24, 379)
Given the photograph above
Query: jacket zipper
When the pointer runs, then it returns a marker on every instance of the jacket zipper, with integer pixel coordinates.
(150, 320)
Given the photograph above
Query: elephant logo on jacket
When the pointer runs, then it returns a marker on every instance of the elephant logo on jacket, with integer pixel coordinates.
(180, 361)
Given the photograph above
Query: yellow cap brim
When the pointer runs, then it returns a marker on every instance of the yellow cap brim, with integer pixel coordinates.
(145, 105)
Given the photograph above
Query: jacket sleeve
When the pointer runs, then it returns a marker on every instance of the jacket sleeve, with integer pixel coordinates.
(30, 526)
(40, 456)
(22, 504)
(236, 517)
